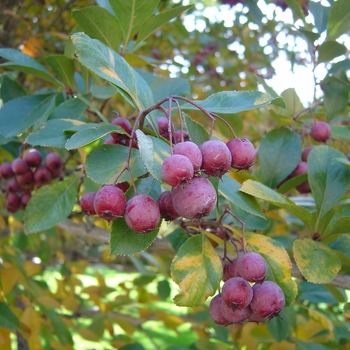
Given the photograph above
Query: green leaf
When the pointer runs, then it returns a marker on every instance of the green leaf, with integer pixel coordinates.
(26, 64)
(227, 102)
(278, 261)
(99, 24)
(103, 91)
(125, 241)
(108, 65)
(279, 154)
(328, 178)
(329, 50)
(163, 87)
(229, 188)
(10, 89)
(198, 134)
(53, 133)
(60, 328)
(278, 100)
(132, 15)
(86, 136)
(63, 67)
(70, 109)
(51, 204)
(153, 23)
(341, 65)
(292, 100)
(339, 19)
(263, 192)
(197, 269)
(296, 9)
(336, 94)
(320, 14)
(7, 318)
(20, 113)
(153, 152)
(340, 132)
(317, 262)
(105, 162)
(310, 36)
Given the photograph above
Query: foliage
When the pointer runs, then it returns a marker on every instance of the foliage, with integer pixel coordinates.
(68, 278)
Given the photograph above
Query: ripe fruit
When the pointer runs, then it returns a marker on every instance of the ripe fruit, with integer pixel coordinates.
(33, 158)
(252, 267)
(42, 176)
(19, 166)
(299, 170)
(166, 207)
(235, 315)
(305, 153)
(320, 131)
(230, 270)
(216, 158)
(26, 180)
(142, 213)
(12, 203)
(6, 170)
(109, 202)
(215, 310)
(123, 123)
(268, 299)
(87, 203)
(177, 169)
(194, 199)
(24, 199)
(53, 161)
(12, 186)
(237, 292)
(190, 150)
(163, 127)
(243, 153)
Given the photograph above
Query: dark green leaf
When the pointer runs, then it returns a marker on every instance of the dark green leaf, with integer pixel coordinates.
(86, 136)
(51, 204)
(26, 64)
(316, 293)
(341, 65)
(198, 134)
(63, 67)
(10, 89)
(279, 154)
(103, 91)
(20, 113)
(329, 50)
(342, 242)
(328, 178)
(99, 24)
(163, 87)
(227, 102)
(320, 14)
(105, 162)
(70, 109)
(7, 318)
(280, 327)
(339, 19)
(125, 241)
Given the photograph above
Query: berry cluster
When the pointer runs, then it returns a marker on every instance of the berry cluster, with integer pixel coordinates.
(27, 173)
(245, 295)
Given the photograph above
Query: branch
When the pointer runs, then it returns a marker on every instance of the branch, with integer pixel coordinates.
(160, 244)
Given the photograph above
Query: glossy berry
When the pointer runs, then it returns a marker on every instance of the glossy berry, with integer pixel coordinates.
(237, 292)
(320, 131)
(305, 153)
(110, 141)
(109, 202)
(268, 299)
(87, 203)
(142, 213)
(166, 207)
(42, 176)
(177, 169)
(242, 152)
(124, 124)
(33, 158)
(194, 199)
(235, 314)
(19, 166)
(53, 161)
(12, 203)
(215, 310)
(216, 158)
(190, 150)
(6, 170)
(252, 267)
(230, 270)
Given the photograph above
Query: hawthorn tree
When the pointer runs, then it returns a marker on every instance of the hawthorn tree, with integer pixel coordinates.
(159, 194)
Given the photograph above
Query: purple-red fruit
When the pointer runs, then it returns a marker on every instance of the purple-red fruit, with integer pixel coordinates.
(230, 270)
(305, 153)
(87, 203)
(33, 158)
(300, 170)
(24, 199)
(180, 137)
(53, 161)
(176, 169)
(12, 203)
(163, 127)
(42, 176)
(252, 267)
(190, 150)
(6, 171)
(26, 180)
(242, 152)
(320, 131)
(234, 314)
(237, 292)
(166, 207)
(268, 299)
(142, 213)
(109, 202)
(12, 186)
(216, 158)
(19, 166)
(110, 141)
(194, 199)
(215, 310)
(123, 123)
(124, 186)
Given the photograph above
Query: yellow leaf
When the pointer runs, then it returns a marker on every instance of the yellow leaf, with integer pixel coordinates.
(31, 319)
(48, 302)
(9, 277)
(307, 331)
(88, 334)
(70, 302)
(100, 279)
(34, 342)
(323, 320)
(246, 339)
(123, 323)
(58, 346)
(5, 341)
(30, 47)
(171, 321)
(31, 268)
(109, 327)
(283, 345)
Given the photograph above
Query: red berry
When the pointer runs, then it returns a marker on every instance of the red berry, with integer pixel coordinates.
(33, 158)
(12, 186)
(53, 161)
(235, 314)
(243, 153)
(142, 213)
(300, 170)
(177, 169)
(6, 170)
(12, 203)
(320, 131)
(110, 141)
(237, 292)
(166, 207)
(190, 150)
(215, 310)
(42, 176)
(123, 123)
(19, 166)
(305, 153)
(87, 203)
(24, 199)
(230, 270)
(109, 202)
(163, 127)
(252, 267)
(194, 199)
